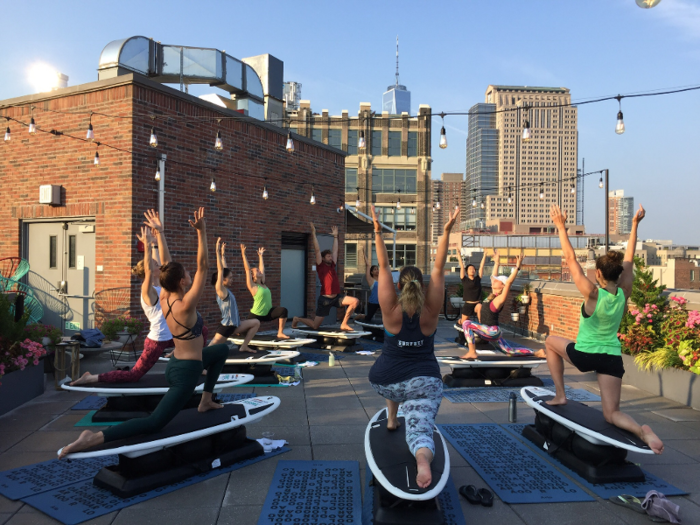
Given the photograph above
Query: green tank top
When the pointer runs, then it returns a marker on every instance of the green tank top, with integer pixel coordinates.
(262, 302)
(597, 334)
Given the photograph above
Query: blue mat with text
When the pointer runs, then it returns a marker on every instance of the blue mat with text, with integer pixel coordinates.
(97, 402)
(512, 470)
(603, 490)
(83, 501)
(314, 493)
(501, 395)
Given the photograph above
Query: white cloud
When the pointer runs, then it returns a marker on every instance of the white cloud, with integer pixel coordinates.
(683, 14)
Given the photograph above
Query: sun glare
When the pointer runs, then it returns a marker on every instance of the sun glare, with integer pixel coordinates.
(43, 77)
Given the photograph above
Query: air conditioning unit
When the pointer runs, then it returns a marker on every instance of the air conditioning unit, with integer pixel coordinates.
(50, 194)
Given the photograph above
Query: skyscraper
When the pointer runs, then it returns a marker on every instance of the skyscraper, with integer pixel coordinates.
(396, 99)
(449, 192)
(621, 211)
(482, 163)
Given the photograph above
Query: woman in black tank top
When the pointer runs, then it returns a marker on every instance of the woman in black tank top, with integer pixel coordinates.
(407, 372)
(471, 286)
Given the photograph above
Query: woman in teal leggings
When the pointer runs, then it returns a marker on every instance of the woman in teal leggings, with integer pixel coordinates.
(180, 296)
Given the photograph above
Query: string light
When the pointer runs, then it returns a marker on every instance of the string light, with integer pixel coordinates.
(157, 171)
(600, 183)
(527, 132)
(218, 144)
(474, 203)
(313, 197)
(483, 204)
(357, 201)
(32, 124)
(620, 126)
(96, 161)
(264, 193)
(90, 136)
(437, 205)
(647, 4)
(153, 142)
(398, 200)
(510, 194)
(290, 143)
(573, 188)
(212, 186)
(443, 136)
(361, 143)
(8, 134)
(541, 191)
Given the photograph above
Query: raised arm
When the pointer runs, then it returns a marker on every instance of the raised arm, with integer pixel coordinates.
(481, 266)
(334, 250)
(252, 287)
(368, 273)
(501, 298)
(388, 302)
(220, 265)
(192, 297)
(317, 249)
(496, 262)
(153, 222)
(435, 295)
(148, 293)
(261, 263)
(462, 269)
(627, 277)
(584, 285)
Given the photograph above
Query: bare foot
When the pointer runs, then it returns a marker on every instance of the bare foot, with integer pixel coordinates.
(652, 440)
(540, 353)
(85, 379)
(86, 440)
(246, 348)
(470, 355)
(295, 322)
(424, 476)
(346, 328)
(282, 335)
(392, 424)
(206, 406)
(557, 400)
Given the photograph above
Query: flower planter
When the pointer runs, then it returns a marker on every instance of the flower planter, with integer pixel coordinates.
(457, 302)
(21, 386)
(672, 383)
(525, 299)
(523, 310)
(123, 336)
(515, 316)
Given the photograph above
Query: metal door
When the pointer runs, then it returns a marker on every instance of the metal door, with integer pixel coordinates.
(61, 257)
(325, 242)
(293, 277)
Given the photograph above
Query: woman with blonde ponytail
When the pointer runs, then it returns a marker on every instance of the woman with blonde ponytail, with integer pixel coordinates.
(407, 372)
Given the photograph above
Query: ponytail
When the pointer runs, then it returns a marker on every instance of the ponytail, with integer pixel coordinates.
(411, 297)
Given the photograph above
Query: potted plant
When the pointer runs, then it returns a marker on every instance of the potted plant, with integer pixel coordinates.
(43, 333)
(525, 297)
(121, 328)
(456, 298)
(515, 311)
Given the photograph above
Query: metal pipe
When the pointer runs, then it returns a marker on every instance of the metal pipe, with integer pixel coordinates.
(161, 189)
(607, 212)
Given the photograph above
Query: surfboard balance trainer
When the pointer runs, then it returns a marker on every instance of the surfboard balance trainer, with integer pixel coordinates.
(331, 338)
(397, 497)
(377, 330)
(190, 444)
(493, 368)
(579, 437)
(260, 364)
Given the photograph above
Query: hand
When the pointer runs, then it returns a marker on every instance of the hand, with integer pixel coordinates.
(519, 260)
(198, 223)
(495, 253)
(153, 221)
(558, 216)
(641, 213)
(243, 248)
(377, 226)
(261, 251)
(223, 249)
(334, 231)
(453, 218)
(149, 235)
(220, 246)
(313, 228)
(145, 237)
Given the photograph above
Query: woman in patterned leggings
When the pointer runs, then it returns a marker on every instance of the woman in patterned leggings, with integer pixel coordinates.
(407, 372)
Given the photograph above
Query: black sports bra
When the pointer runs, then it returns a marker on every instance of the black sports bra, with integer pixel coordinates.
(189, 333)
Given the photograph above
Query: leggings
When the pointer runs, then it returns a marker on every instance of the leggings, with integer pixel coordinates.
(371, 310)
(493, 334)
(420, 398)
(183, 377)
(278, 312)
(152, 350)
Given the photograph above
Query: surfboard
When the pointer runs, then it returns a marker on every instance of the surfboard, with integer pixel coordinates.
(269, 357)
(586, 421)
(188, 425)
(272, 342)
(492, 361)
(154, 384)
(330, 332)
(393, 465)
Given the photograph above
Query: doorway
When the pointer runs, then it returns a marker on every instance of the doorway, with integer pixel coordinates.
(293, 274)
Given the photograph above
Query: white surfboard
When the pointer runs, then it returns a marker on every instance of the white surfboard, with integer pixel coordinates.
(270, 357)
(370, 326)
(603, 434)
(154, 385)
(394, 467)
(336, 334)
(273, 342)
(492, 361)
(233, 415)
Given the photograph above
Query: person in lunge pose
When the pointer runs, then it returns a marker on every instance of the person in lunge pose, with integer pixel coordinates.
(371, 274)
(471, 286)
(407, 372)
(326, 261)
(230, 319)
(262, 309)
(181, 294)
(597, 347)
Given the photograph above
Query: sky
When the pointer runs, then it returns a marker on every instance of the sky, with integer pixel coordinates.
(343, 53)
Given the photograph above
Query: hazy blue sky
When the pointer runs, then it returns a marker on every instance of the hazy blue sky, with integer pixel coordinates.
(343, 54)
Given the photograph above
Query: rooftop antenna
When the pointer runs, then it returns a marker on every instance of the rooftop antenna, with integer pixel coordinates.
(397, 60)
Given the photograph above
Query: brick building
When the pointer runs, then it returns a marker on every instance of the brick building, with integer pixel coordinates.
(87, 239)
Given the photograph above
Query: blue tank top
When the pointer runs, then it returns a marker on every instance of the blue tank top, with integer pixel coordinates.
(374, 294)
(229, 310)
(405, 355)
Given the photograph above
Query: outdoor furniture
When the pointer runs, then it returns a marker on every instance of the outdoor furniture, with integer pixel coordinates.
(60, 361)
(13, 268)
(112, 303)
(118, 353)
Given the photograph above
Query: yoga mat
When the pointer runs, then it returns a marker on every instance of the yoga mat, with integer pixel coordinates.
(501, 395)
(314, 493)
(90, 403)
(372, 346)
(42, 477)
(512, 470)
(448, 498)
(603, 490)
(82, 501)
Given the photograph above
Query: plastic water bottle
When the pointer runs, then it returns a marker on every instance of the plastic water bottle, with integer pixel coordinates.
(512, 408)
(297, 374)
(331, 359)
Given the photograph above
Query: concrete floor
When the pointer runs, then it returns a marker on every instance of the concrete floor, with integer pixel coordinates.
(324, 418)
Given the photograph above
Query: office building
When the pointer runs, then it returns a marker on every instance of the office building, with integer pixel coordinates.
(449, 192)
(620, 212)
(396, 99)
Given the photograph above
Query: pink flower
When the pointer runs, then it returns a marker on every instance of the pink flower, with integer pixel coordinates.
(650, 320)
(649, 316)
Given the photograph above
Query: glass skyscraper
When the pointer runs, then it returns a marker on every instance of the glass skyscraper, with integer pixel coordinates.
(482, 162)
(396, 100)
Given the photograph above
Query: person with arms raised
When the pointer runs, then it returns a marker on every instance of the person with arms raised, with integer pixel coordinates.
(262, 309)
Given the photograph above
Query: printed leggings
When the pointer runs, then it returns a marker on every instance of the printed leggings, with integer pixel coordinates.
(152, 350)
(420, 398)
(183, 377)
(493, 334)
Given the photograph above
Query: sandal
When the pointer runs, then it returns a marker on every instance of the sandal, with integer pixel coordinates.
(485, 497)
(470, 493)
(627, 501)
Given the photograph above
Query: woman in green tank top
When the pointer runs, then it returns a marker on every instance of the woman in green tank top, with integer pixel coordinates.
(597, 348)
(262, 309)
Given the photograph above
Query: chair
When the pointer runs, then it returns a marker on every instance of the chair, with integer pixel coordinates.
(112, 303)
(13, 268)
(11, 286)
(35, 309)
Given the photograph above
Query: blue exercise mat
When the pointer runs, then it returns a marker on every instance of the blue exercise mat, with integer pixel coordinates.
(603, 490)
(228, 398)
(448, 498)
(83, 501)
(90, 403)
(49, 475)
(512, 470)
(501, 395)
(373, 346)
(314, 493)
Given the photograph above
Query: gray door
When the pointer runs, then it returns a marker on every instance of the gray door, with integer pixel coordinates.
(61, 257)
(293, 286)
(325, 242)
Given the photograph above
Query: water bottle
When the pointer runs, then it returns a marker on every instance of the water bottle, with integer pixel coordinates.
(512, 408)
(297, 374)
(331, 359)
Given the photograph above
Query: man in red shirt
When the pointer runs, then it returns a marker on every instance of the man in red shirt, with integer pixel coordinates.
(330, 287)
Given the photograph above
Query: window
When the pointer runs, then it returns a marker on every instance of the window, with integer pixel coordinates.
(352, 141)
(334, 138)
(412, 143)
(389, 181)
(351, 255)
(405, 255)
(317, 135)
(72, 239)
(394, 143)
(53, 242)
(401, 220)
(692, 275)
(376, 143)
(350, 180)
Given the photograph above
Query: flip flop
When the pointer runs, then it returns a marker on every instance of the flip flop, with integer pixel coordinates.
(470, 493)
(627, 501)
(485, 497)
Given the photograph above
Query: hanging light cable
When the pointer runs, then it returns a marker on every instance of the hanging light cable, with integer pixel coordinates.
(90, 132)
(96, 161)
(443, 136)
(32, 124)
(212, 186)
(290, 143)
(313, 197)
(361, 142)
(527, 132)
(620, 126)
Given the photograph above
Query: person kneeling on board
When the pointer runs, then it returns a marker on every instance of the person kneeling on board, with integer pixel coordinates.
(597, 347)
(189, 359)
(407, 372)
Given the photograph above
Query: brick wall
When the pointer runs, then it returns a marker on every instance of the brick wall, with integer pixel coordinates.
(682, 276)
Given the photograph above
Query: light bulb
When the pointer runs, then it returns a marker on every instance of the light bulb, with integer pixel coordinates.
(600, 184)
(290, 143)
(527, 132)
(620, 127)
(443, 138)
(398, 204)
(212, 187)
(313, 199)
(474, 203)
(32, 127)
(646, 4)
(541, 193)
(413, 211)
(265, 195)
(573, 189)
(510, 199)
(357, 203)
(218, 145)
(97, 159)
(437, 205)
(157, 174)
(361, 142)
(154, 139)
(8, 135)
(341, 208)
(483, 205)
(90, 133)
